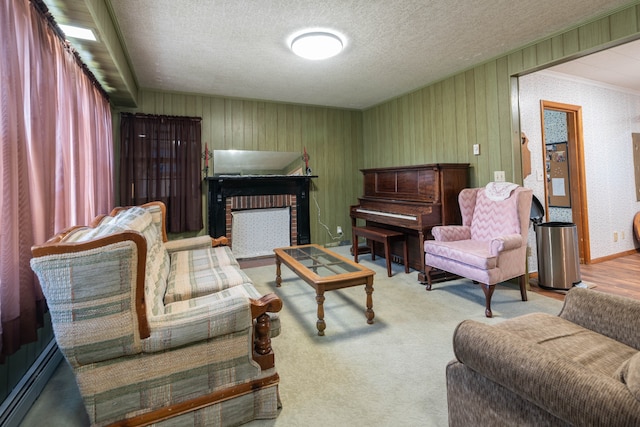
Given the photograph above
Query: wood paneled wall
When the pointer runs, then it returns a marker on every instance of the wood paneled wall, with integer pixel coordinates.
(332, 137)
(442, 121)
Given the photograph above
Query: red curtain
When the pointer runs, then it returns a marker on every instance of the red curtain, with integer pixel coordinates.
(56, 157)
(160, 160)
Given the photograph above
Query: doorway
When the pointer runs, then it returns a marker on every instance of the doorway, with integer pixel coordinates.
(565, 183)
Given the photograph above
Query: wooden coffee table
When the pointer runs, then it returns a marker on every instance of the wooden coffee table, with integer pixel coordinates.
(325, 271)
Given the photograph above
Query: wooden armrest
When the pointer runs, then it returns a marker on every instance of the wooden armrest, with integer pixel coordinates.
(219, 241)
(262, 351)
(268, 303)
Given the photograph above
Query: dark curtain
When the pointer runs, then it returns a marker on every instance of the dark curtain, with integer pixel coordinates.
(160, 160)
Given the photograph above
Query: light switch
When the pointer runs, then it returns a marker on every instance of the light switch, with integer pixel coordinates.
(476, 149)
(539, 174)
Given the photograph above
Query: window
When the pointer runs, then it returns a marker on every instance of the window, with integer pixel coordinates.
(160, 160)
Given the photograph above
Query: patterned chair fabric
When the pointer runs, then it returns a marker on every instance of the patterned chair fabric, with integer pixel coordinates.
(150, 326)
(489, 247)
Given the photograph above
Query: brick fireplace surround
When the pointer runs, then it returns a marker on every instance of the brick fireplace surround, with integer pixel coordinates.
(262, 202)
(229, 193)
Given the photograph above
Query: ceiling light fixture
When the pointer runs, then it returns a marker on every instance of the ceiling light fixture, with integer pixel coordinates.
(317, 45)
(77, 32)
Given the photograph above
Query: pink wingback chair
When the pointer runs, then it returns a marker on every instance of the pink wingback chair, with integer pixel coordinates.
(490, 246)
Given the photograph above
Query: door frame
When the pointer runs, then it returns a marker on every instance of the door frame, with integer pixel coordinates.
(577, 178)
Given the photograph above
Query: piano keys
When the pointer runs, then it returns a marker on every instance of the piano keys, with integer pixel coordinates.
(388, 214)
(411, 199)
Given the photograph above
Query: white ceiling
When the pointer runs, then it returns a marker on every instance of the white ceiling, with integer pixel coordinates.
(618, 66)
(239, 48)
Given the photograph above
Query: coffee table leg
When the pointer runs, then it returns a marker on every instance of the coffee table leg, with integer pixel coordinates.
(278, 278)
(368, 288)
(320, 323)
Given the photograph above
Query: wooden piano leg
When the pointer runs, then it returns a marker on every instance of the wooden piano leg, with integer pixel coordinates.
(422, 277)
(387, 255)
(405, 253)
(354, 245)
(354, 237)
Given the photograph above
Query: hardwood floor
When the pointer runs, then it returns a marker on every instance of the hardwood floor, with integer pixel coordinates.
(619, 276)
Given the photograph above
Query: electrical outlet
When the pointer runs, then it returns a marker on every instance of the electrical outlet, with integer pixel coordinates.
(339, 230)
(476, 149)
(498, 176)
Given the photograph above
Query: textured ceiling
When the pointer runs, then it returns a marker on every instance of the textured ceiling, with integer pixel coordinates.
(239, 48)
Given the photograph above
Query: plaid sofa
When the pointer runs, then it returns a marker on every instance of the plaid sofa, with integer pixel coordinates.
(580, 368)
(158, 332)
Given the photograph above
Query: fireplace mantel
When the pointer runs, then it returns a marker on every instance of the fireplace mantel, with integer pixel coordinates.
(222, 187)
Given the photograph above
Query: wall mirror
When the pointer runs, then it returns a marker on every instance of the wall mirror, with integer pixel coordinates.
(247, 162)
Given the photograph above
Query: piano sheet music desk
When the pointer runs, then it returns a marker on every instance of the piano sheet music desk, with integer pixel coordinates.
(411, 199)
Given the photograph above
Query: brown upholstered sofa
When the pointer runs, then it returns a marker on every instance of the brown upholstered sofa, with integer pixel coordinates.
(579, 368)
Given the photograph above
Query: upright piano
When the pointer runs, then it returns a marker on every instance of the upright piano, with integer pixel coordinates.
(411, 199)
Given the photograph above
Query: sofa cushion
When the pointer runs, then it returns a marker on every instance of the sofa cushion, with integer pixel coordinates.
(629, 374)
(201, 272)
(569, 341)
(157, 259)
(85, 233)
(157, 266)
(202, 318)
(213, 257)
(156, 217)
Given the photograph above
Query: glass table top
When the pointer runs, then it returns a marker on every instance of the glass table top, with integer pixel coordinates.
(321, 262)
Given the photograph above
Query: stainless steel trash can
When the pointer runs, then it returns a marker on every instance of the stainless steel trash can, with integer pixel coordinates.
(558, 255)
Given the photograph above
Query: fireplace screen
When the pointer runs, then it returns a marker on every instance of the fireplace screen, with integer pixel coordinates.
(257, 232)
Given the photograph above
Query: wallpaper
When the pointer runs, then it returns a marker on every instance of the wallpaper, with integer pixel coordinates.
(609, 117)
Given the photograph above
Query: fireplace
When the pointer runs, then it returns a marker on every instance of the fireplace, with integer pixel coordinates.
(229, 193)
(250, 238)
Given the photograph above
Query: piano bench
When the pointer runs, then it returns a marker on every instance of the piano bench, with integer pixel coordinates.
(381, 235)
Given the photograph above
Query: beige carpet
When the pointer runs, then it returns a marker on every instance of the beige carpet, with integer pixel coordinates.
(391, 373)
